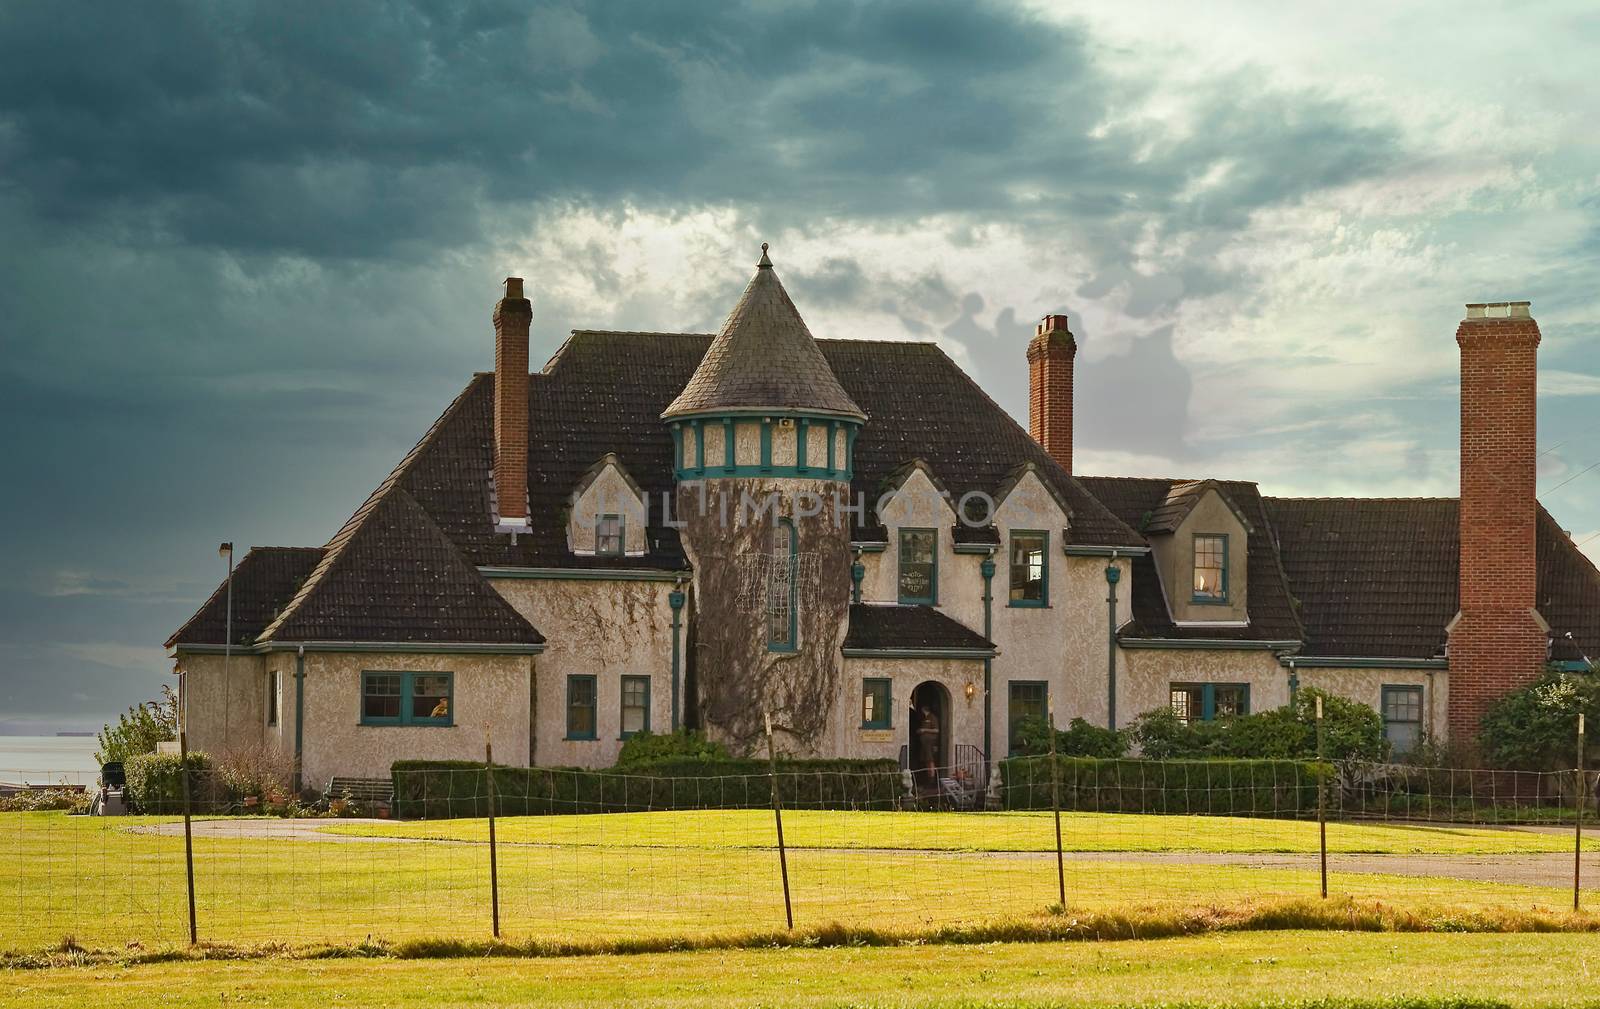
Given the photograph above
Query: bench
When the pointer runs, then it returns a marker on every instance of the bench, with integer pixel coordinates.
(361, 789)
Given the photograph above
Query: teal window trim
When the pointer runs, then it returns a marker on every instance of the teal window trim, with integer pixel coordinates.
(833, 434)
(699, 446)
(622, 535)
(1389, 690)
(1194, 552)
(1208, 697)
(677, 450)
(793, 642)
(932, 598)
(766, 445)
(1044, 576)
(406, 683)
(882, 688)
(622, 705)
(850, 450)
(274, 696)
(1011, 704)
(728, 459)
(592, 682)
(802, 433)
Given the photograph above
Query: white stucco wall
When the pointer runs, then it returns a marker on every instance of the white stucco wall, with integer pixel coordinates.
(225, 712)
(608, 494)
(607, 629)
(965, 724)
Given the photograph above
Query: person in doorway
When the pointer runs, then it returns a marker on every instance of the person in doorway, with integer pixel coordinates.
(928, 743)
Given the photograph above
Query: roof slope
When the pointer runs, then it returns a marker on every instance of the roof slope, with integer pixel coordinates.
(397, 578)
(263, 583)
(1270, 605)
(893, 626)
(1379, 577)
(764, 358)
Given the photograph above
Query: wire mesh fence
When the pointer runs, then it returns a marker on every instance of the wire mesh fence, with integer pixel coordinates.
(589, 855)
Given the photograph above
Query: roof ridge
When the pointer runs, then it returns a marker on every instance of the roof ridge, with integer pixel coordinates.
(1337, 497)
(341, 539)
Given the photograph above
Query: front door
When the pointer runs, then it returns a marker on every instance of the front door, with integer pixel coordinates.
(930, 734)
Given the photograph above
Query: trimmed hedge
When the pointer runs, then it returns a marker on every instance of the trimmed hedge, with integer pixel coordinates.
(442, 789)
(156, 786)
(1211, 787)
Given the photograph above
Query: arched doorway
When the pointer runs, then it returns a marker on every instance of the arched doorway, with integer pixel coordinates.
(930, 734)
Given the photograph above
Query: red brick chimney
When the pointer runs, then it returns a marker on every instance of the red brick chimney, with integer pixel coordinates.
(1050, 357)
(512, 317)
(1498, 641)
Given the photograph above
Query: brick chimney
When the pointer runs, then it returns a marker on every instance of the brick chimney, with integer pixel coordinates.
(1050, 357)
(1497, 641)
(512, 317)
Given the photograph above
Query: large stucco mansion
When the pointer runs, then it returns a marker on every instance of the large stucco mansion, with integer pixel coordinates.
(659, 530)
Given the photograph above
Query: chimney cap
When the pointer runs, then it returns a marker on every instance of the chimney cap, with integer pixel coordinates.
(1052, 323)
(513, 287)
(1499, 310)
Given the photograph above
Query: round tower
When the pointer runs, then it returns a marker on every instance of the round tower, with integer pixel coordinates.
(763, 437)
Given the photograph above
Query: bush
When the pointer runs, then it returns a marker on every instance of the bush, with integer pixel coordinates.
(445, 788)
(155, 784)
(1212, 787)
(139, 729)
(685, 744)
(1351, 731)
(1535, 728)
(39, 800)
(1078, 739)
(258, 772)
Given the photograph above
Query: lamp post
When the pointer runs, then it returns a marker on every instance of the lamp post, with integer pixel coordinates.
(225, 551)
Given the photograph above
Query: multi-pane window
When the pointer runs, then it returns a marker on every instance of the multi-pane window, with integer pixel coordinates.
(1029, 574)
(1201, 702)
(608, 536)
(274, 695)
(406, 698)
(1210, 568)
(919, 566)
(635, 705)
(581, 707)
(1029, 699)
(876, 696)
(1402, 717)
(783, 549)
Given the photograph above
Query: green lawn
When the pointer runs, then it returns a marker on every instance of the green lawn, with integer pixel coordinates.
(1030, 831)
(1230, 969)
(96, 880)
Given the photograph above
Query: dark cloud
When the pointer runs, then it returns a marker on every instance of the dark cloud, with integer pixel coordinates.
(238, 271)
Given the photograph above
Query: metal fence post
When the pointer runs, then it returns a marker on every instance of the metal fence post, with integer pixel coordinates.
(188, 831)
(777, 813)
(1055, 806)
(1582, 797)
(494, 868)
(1322, 804)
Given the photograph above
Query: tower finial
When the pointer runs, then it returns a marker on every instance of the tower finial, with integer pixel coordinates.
(765, 264)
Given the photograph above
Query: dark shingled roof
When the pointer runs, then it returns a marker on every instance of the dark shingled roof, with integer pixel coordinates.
(392, 576)
(1180, 501)
(890, 626)
(1379, 577)
(764, 358)
(263, 583)
(1270, 605)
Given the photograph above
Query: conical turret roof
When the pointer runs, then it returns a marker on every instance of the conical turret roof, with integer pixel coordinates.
(764, 358)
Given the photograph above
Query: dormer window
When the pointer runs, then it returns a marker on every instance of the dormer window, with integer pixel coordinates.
(1210, 568)
(608, 536)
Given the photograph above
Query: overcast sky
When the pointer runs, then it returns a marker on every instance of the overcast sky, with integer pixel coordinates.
(250, 251)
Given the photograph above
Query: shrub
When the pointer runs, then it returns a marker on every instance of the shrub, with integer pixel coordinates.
(39, 800)
(259, 772)
(685, 744)
(139, 729)
(1078, 739)
(1535, 728)
(155, 783)
(444, 789)
(1211, 786)
(1351, 731)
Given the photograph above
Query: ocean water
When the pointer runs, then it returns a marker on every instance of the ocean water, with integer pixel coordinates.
(48, 760)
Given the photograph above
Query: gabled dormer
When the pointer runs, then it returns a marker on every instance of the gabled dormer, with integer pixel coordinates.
(608, 514)
(1200, 541)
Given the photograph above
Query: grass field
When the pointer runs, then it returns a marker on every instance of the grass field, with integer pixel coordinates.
(977, 832)
(98, 881)
(1279, 968)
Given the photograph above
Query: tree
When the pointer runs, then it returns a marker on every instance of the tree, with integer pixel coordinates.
(1535, 727)
(139, 729)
